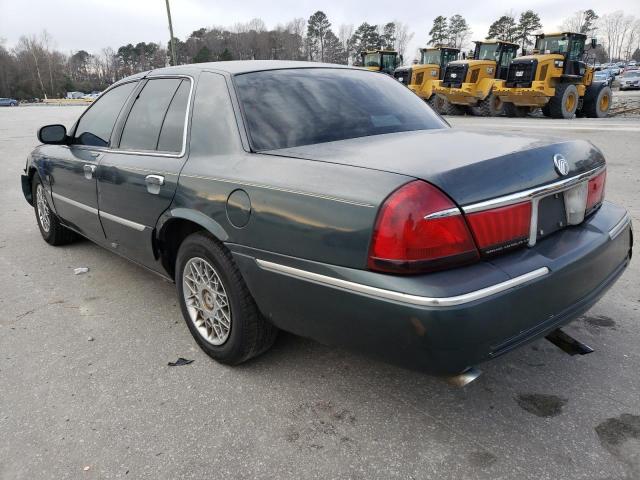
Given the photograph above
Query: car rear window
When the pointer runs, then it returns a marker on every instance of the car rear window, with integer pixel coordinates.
(288, 108)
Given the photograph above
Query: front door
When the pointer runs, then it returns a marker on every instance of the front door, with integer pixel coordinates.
(73, 173)
(137, 178)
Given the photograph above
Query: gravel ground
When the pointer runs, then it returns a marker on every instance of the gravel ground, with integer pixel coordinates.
(85, 390)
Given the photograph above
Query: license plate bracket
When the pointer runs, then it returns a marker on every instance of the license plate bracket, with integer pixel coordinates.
(551, 215)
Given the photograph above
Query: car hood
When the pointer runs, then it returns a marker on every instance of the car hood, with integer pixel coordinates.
(469, 166)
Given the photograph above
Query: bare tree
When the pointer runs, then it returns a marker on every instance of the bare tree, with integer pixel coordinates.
(619, 32)
(403, 37)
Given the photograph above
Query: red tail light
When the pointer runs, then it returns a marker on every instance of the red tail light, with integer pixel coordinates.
(596, 190)
(501, 228)
(419, 229)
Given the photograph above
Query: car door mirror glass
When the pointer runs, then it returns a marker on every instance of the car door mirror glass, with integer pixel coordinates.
(53, 134)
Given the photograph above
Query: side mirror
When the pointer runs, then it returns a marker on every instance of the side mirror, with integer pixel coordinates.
(53, 134)
(594, 43)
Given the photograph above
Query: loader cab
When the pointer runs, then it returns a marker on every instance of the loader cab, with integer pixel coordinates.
(439, 56)
(385, 61)
(498, 51)
(569, 45)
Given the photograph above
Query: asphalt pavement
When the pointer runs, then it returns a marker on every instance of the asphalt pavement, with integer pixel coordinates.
(86, 392)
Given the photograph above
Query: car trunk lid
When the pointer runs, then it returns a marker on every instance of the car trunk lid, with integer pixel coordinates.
(469, 166)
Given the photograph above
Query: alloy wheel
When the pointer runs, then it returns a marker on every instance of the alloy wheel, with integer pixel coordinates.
(43, 209)
(206, 301)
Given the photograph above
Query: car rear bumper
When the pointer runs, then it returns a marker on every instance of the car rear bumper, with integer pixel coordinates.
(445, 322)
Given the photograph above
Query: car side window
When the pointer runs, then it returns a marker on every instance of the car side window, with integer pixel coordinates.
(172, 132)
(143, 125)
(214, 130)
(96, 125)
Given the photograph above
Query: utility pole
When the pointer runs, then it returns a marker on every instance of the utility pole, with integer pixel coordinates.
(171, 42)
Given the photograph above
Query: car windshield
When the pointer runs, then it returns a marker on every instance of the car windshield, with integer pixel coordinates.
(488, 52)
(430, 57)
(635, 73)
(553, 44)
(288, 108)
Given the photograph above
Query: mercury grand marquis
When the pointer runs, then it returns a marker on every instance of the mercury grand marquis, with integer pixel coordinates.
(333, 203)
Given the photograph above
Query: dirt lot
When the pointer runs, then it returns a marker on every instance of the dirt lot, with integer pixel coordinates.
(85, 390)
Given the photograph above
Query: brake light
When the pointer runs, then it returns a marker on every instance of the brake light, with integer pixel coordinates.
(420, 229)
(596, 190)
(501, 228)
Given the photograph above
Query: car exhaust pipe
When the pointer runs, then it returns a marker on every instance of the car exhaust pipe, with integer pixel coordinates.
(567, 343)
(464, 378)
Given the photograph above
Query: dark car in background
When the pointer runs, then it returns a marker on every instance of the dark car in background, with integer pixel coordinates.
(604, 76)
(8, 102)
(333, 203)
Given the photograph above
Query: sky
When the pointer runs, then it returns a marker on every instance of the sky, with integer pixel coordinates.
(94, 24)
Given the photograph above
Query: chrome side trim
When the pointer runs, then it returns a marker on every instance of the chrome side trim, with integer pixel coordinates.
(400, 297)
(108, 216)
(279, 189)
(122, 221)
(620, 226)
(82, 206)
(449, 212)
(541, 191)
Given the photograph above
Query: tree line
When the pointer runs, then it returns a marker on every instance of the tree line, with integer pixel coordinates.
(618, 34)
(34, 68)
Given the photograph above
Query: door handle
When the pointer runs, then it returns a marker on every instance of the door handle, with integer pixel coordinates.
(89, 170)
(154, 182)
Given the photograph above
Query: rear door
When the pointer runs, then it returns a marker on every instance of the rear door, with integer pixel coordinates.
(137, 178)
(73, 167)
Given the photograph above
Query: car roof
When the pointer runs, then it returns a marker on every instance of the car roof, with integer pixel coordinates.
(234, 67)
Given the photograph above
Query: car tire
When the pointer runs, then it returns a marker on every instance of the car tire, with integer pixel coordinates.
(597, 101)
(565, 102)
(51, 229)
(491, 106)
(218, 308)
(515, 111)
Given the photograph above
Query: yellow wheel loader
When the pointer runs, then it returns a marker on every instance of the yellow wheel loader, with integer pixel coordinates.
(557, 79)
(385, 61)
(421, 77)
(471, 83)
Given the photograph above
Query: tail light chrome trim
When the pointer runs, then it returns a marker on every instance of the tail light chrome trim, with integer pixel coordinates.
(449, 212)
(400, 297)
(534, 195)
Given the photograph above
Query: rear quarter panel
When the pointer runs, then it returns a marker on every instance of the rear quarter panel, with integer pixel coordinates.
(310, 209)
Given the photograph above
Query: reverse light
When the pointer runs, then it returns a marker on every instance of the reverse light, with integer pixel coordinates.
(420, 229)
(501, 228)
(575, 200)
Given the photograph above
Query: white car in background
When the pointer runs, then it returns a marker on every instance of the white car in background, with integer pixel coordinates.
(629, 79)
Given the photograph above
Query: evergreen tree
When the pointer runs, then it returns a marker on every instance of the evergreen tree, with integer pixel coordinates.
(439, 33)
(529, 22)
(458, 31)
(203, 55)
(388, 36)
(317, 29)
(504, 28)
